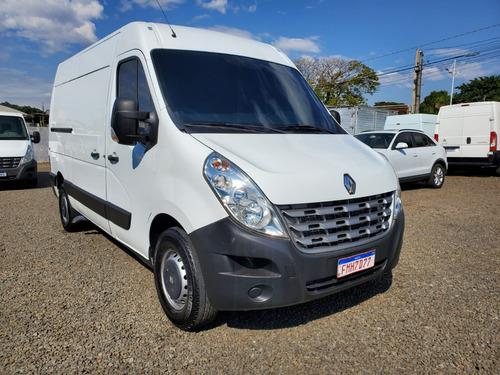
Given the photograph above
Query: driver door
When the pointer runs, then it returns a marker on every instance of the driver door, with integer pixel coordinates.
(129, 168)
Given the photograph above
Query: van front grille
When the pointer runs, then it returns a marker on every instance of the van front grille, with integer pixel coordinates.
(7, 163)
(330, 226)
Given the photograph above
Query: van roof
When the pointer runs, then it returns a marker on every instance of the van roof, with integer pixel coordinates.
(149, 36)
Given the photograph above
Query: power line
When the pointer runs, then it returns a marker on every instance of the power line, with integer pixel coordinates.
(428, 44)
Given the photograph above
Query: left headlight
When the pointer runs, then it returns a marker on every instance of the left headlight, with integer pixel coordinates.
(398, 205)
(241, 197)
(28, 156)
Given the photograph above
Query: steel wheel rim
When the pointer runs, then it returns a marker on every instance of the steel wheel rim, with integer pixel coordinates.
(173, 278)
(438, 176)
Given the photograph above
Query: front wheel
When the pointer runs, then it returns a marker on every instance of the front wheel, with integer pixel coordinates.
(437, 176)
(66, 212)
(179, 281)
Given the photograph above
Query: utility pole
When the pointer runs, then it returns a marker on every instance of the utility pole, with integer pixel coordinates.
(453, 72)
(417, 81)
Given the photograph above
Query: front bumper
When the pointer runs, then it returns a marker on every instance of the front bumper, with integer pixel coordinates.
(246, 271)
(24, 172)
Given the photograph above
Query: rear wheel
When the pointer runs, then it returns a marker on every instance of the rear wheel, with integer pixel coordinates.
(437, 176)
(179, 281)
(66, 212)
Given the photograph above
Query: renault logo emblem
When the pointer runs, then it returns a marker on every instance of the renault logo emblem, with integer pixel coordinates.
(349, 184)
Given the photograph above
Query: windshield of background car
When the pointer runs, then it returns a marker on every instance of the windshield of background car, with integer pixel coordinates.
(376, 140)
(12, 127)
(211, 92)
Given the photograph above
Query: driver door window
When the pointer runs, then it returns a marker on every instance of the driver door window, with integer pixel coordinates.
(132, 84)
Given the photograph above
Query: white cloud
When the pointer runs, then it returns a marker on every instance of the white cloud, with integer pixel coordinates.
(19, 86)
(218, 5)
(307, 45)
(234, 31)
(127, 5)
(53, 23)
(433, 74)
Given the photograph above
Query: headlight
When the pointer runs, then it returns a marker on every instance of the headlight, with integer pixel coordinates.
(28, 156)
(241, 197)
(398, 205)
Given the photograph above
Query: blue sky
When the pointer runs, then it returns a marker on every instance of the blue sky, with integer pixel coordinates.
(36, 35)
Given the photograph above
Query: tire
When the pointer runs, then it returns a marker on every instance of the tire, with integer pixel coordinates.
(66, 212)
(437, 176)
(179, 281)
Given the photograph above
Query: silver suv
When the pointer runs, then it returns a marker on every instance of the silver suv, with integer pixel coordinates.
(413, 155)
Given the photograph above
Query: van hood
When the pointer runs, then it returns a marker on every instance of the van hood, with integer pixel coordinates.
(13, 148)
(305, 168)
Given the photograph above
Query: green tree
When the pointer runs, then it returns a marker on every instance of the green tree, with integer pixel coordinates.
(434, 101)
(479, 90)
(338, 81)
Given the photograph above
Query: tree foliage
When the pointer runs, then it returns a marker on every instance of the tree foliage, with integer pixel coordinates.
(434, 101)
(479, 90)
(24, 108)
(338, 81)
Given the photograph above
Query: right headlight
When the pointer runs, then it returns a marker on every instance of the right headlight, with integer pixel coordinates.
(241, 197)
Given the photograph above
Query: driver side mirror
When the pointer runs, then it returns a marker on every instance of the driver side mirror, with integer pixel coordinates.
(35, 138)
(125, 122)
(336, 115)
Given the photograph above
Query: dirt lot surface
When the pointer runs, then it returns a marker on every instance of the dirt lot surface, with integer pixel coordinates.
(79, 303)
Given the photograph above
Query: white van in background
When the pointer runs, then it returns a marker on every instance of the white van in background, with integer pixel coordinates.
(418, 121)
(469, 133)
(17, 161)
(211, 157)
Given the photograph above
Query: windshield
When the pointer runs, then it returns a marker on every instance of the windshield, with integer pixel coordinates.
(12, 127)
(210, 92)
(376, 140)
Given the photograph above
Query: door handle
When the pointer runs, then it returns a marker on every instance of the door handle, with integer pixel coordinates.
(113, 158)
(95, 155)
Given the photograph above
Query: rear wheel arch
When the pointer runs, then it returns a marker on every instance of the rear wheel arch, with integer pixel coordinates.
(438, 173)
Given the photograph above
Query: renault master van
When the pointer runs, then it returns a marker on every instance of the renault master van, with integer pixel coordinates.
(17, 160)
(211, 158)
(469, 133)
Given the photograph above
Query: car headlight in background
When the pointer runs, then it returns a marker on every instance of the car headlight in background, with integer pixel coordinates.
(241, 197)
(28, 156)
(398, 205)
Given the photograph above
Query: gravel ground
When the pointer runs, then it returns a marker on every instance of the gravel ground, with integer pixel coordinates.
(80, 303)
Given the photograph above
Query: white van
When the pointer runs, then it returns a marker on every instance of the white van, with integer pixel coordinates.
(469, 133)
(17, 160)
(416, 121)
(211, 158)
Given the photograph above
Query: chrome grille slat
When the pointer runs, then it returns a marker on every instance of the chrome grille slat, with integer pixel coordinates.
(329, 226)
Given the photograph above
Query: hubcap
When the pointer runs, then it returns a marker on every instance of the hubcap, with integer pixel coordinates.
(438, 176)
(174, 279)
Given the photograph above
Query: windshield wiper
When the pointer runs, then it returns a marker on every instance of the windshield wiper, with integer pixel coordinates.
(231, 126)
(305, 128)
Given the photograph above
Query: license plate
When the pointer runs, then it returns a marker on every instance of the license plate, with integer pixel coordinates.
(356, 263)
(3, 174)
(450, 149)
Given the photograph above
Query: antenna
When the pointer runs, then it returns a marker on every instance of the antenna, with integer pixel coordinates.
(168, 22)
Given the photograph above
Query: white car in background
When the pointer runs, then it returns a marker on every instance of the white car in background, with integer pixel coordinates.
(413, 155)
